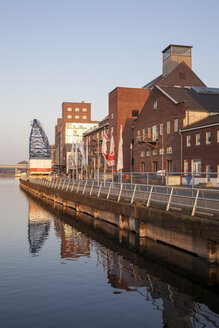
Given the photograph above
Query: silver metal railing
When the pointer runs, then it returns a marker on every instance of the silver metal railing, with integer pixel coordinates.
(189, 200)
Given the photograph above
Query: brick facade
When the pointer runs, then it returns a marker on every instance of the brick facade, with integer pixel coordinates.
(122, 103)
(148, 157)
(200, 147)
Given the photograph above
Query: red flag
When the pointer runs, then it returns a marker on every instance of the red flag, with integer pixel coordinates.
(111, 161)
(104, 146)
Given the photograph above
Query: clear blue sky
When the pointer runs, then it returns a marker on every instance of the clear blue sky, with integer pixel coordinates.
(65, 50)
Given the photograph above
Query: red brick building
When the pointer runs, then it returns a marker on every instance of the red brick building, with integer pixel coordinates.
(158, 144)
(200, 144)
(125, 104)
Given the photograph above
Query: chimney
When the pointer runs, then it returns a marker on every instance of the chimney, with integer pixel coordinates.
(175, 54)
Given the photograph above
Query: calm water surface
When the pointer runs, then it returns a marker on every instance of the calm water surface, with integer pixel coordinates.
(57, 272)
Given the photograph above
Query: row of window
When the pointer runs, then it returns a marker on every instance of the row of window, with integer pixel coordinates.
(84, 117)
(153, 132)
(155, 152)
(196, 166)
(69, 109)
(198, 139)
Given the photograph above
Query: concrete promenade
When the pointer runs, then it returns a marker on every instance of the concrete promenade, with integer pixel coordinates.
(196, 235)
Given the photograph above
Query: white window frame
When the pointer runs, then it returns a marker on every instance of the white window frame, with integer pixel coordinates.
(84, 117)
(77, 117)
(198, 142)
(207, 137)
(161, 129)
(196, 166)
(186, 166)
(142, 153)
(217, 135)
(176, 125)
(84, 109)
(69, 116)
(149, 132)
(69, 109)
(168, 127)
(169, 150)
(77, 109)
(188, 140)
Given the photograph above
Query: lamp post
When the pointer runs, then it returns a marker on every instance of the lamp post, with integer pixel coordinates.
(131, 146)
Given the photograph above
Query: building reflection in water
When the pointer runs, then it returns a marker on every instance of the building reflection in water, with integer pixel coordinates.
(178, 309)
(39, 221)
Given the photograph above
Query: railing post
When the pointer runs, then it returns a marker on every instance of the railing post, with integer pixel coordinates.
(109, 191)
(60, 184)
(133, 194)
(68, 185)
(169, 201)
(63, 186)
(99, 190)
(72, 188)
(91, 189)
(120, 192)
(84, 187)
(149, 197)
(195, 203)
(78, 186)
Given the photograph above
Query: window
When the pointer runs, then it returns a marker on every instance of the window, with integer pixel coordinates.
(168, 127)
(176, 125)
(161, 129)
(148, 153)
(188, 141)
(77, 109)
(161, 151)
(142, 154)
(169, 150)
(208, 137)
(143, 134)
(84, 109)
(112, 116)
(142, 167)
(155, 105)
(138, 135)
(154, 132)
(217, 135)
(196, 166)
(84, 117)
(76, 117)
(69, 109)
(154, 152)
(182, 76)
(135, 113)
(69, 116)
(186, 166)
(197, 139)
(149, 132)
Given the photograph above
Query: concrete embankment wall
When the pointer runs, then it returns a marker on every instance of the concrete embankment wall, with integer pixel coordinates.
(196, 235)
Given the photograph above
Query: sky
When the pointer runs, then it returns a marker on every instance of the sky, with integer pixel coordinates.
(52, 51)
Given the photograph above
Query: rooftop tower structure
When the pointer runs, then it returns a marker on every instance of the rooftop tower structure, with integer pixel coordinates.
(173, 55)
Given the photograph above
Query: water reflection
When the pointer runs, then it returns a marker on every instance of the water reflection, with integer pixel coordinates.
(38, 226)
(181, 301)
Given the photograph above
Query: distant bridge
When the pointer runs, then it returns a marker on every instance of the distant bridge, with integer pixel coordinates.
(14, 166)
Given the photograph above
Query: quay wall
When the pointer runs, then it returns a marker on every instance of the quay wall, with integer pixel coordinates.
(199, 236)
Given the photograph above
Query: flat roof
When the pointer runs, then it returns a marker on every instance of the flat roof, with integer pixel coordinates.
(176, 45)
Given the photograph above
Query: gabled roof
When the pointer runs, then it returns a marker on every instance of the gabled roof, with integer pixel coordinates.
(211, 120)
(161, 79)
(195, 100)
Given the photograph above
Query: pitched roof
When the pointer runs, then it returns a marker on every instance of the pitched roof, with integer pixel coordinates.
(160, 80)
(210, 120)
(204, 101)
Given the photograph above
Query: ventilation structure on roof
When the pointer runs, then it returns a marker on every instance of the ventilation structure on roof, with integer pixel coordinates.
(206, 90)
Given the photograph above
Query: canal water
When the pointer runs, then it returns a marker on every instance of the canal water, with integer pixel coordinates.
(61, 270)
